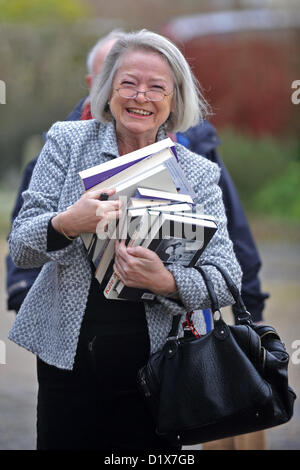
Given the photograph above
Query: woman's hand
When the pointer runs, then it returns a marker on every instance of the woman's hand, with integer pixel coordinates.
(88, 214)
(142, 268)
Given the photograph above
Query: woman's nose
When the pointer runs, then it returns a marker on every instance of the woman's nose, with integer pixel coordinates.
(141, 97)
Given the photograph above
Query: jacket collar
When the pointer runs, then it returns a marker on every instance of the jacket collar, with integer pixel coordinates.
(109, 140)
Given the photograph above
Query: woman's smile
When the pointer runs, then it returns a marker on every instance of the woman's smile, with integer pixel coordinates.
(139, 113)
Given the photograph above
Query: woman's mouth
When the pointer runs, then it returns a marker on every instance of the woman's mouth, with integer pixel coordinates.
(138, 112)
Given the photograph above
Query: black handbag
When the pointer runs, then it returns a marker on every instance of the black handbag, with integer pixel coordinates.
(231, 381)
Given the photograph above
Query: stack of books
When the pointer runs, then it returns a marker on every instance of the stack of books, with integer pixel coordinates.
(156, 214)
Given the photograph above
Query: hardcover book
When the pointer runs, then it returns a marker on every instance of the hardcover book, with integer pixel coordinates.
(175, 239)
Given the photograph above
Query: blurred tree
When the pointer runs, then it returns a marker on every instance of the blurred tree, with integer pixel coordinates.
(43, 46)
(39, 11)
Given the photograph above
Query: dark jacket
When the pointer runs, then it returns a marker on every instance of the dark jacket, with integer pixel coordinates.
(203, 140)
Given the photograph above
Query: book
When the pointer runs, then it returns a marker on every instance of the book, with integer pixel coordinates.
(128, 224)
(137, 232)
(93, 176)
(189, 228)
(173, 180)
(157, 177)
(146, 222)
(152, 194)
(163, 206)
(175, 239)
(156, 168)
(179, 178)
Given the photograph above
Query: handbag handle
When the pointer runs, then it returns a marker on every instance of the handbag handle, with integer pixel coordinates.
(214, 302)
(241, 314)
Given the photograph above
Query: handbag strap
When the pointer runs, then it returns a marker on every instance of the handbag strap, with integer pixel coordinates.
(214, 302)
(173, 333)
(240, 312)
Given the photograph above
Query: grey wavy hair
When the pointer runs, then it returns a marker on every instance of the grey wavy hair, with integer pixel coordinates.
(189, 105)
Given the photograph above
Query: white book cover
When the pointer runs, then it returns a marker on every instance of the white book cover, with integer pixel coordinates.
(125, 176)
(94, 175)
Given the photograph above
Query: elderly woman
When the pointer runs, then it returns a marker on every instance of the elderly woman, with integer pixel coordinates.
(89, 348)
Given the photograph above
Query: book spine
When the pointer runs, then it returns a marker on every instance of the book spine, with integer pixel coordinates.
(179, 178)
(145, 193)
(86, 239)
(134, 294)
(110, 289)
(91, 181)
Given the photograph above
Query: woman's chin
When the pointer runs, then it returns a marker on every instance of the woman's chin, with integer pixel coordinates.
(139, 127)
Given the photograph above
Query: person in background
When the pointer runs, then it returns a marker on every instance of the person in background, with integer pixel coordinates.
(89, 349)
(201, 139)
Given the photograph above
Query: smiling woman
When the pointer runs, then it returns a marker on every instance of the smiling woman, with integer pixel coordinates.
(90, 348)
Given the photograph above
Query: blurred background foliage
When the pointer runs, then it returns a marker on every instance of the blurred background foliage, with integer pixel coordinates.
(39, 12)
(246, 77)
(266, 172)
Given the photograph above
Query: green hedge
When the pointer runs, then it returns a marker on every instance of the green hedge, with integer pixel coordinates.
(266, 172)
(281, 197)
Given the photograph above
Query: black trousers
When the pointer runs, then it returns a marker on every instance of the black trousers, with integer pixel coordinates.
(97, 406)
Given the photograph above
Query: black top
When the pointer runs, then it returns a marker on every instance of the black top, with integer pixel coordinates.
(114, 316)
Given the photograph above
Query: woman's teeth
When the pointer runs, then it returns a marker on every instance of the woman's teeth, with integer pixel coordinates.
(140, 111)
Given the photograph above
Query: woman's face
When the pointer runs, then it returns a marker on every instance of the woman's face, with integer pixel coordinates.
(142, 71)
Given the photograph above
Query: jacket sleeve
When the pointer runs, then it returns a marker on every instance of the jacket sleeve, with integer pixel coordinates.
(28, 238)
(19, 281)
(191, 287)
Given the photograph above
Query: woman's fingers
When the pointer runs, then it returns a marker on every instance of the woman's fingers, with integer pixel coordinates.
(141, 252)
(97, 193)
(107, 206)
(106, 219)
(121, 251)
(119, 271)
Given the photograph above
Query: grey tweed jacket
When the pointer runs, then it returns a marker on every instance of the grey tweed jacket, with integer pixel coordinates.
(49, 321)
